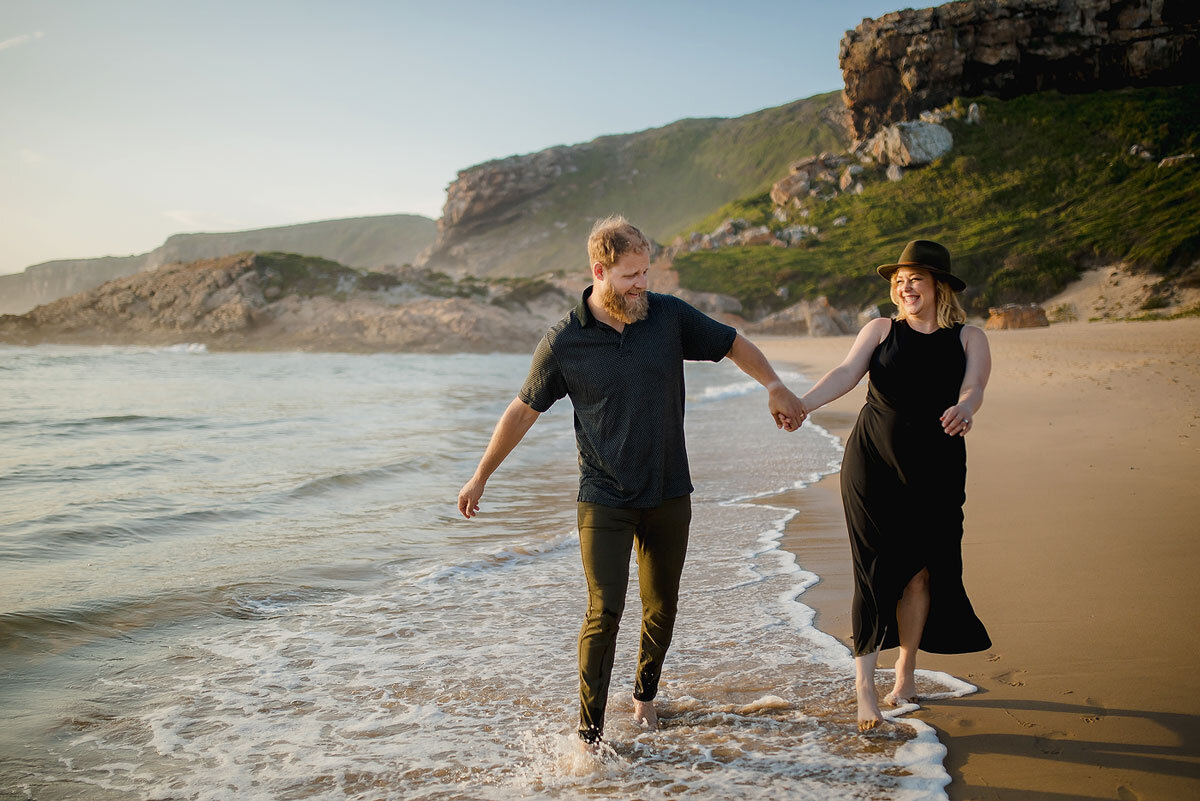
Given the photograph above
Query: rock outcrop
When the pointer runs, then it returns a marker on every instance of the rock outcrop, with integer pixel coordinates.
(282, 301)
(1016, 315)
(367, 242)
(813, 317)
(909, 61)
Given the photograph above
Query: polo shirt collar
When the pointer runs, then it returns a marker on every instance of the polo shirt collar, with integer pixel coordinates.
(583, 312)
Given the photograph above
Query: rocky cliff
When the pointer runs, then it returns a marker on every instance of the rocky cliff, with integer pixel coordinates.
(275, 301)
(362, 242)
(909, 61)
(527, 215)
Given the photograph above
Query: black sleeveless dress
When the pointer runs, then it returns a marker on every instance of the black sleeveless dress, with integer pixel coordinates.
(903, 488)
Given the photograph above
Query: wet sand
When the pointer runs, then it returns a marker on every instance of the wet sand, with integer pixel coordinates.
(1081, 553)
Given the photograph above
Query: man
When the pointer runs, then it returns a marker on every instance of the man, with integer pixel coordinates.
(619, 356)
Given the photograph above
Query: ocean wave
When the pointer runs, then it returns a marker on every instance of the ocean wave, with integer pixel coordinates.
(369, 475)
(736, 389)
(68, 534)
(501, 558)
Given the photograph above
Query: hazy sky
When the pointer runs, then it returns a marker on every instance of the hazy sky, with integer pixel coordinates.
(122, 122)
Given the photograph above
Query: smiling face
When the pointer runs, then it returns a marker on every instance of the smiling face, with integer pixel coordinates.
(621, 288)
(915, 293)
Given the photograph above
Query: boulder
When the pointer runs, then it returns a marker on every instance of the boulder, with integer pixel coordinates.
(1175, 161)
(895, 172)
(790, 187)
(848, 176)
(1016, 315)
(794, 233)
(710, 302)
(911, 144)
(760, 235)
(974, 114)
(814, 317)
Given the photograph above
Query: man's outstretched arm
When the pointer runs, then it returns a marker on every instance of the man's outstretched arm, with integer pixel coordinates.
(516, 420)
(785, 407)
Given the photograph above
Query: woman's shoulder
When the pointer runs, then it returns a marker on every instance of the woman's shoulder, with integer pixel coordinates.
(970, 333)
(880, 327)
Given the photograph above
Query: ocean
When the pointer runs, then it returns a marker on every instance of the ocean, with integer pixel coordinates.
(243, 576)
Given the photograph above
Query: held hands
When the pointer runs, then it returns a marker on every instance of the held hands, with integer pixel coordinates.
(956, 421)
(468, 497)
(786, 408)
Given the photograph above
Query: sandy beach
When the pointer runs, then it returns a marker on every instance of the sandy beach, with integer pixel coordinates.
(1080, 556)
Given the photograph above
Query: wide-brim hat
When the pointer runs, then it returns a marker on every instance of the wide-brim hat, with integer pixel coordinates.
(928, 256)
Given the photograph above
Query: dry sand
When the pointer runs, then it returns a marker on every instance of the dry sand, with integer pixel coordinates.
(1081, 554)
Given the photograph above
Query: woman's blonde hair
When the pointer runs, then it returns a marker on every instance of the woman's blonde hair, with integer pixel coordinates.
(949, 310)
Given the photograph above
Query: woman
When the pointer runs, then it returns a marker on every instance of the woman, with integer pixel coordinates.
(904, 472)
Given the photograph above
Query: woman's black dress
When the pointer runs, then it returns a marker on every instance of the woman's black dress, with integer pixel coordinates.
(903, 487)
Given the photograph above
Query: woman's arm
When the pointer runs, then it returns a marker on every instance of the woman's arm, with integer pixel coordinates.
(845, 377)
(957, 420)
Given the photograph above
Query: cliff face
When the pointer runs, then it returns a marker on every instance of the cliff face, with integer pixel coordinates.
(278, 301)
(527, 215)
(363, 242)
(909, 61)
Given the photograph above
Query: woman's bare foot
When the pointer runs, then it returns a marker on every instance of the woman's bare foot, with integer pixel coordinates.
(869, 716)
(904, 691)
(899, 697)
(645, 715)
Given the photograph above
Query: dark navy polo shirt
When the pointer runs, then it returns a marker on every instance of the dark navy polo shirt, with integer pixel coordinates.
(627, 390)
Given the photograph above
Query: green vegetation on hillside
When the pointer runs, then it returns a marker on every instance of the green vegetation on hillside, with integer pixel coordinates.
(309, 276)
(662, 179)
(1044, 188)
(312, 276)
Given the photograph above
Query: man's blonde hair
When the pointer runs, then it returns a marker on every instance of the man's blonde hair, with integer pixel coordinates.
(949, 310)
(612, 238)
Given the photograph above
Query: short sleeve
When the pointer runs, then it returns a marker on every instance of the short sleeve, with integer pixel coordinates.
(545, 383)
(702, 337)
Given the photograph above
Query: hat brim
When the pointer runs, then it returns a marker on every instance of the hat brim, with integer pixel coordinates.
(956, 283)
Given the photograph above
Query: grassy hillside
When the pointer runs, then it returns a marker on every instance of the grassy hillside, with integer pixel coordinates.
(1043, 189)
(662, 178)
(359, 241)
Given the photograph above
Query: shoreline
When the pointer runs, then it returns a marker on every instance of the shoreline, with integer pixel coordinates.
(1079, 554)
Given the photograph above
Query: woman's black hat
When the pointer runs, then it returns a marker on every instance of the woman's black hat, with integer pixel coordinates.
(928, 256)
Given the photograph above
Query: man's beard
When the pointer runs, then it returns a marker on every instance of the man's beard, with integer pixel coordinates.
(623, 310)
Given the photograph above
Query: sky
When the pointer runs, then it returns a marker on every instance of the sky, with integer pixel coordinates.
(125, 121)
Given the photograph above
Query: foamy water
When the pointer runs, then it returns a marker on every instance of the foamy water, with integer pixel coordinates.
(242, 576)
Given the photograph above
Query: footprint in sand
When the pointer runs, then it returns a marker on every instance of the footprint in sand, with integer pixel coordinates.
(1011, 678)
(1050, 744)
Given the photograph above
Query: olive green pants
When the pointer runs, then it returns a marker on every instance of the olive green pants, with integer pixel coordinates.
(607, 535)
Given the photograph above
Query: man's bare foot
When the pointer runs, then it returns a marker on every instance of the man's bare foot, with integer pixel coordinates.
(869, 716)
(645, 715)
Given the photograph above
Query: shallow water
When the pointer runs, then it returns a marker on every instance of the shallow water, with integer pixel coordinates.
(243, 576)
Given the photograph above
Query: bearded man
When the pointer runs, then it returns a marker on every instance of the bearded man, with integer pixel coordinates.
(619, 356)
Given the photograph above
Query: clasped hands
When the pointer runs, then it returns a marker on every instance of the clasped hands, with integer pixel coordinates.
(786, 408)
